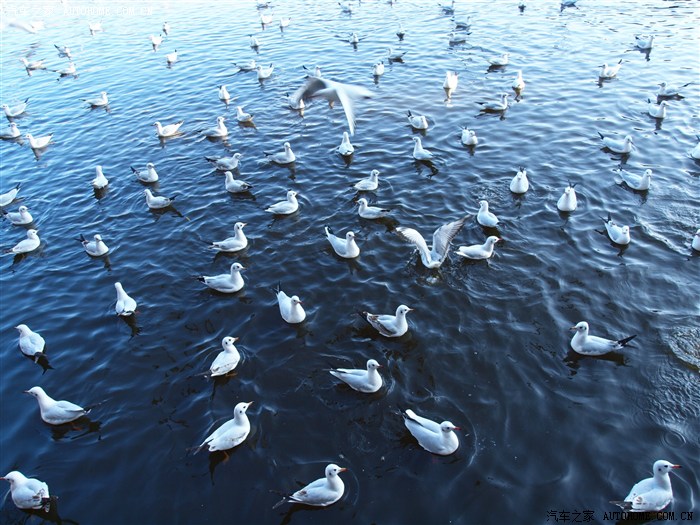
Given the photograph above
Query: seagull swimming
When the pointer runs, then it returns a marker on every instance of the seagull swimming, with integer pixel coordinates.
(451, 80)
(657, 110)
(345, 247)
(315, 73)
(156, 40)
(478, 251)
(378, 69)
(389, 325)
(151, 175)
(283, 157)
(695, 244)
(636, 182)
(370, 212)
(39, 142)
(586, 344)
(285, 207)
(32, 66)
(157, 203)
(27, 245)
(98, 102)
(367, 381)
(248, 66)
(19, 218)
(666, 91)
(265, 72)
(167, 131)
(320, 493)
(230, 282)
(442, 237)
(420, 153)
(518, 83)
(609, 71)
(457, 38)
(242, 116)
(12, 132)
(171, 58)
(226, 360)
(618, 234)
(438, 438)
(100, 181)
(234, 185)
(125, 305)
(96, 247)
(220, 131)
(567, 202)
(27, 493)
(15, 111)
(394, 56)
(30, 342)
(290, 307)
(644, 41)
(371, 183)
(232, 244)
(55, 412)
(346, 148)
(63, 51)
(496, 105)
(166, 28)
(8, 197)
(485, 217)
(499, 60)
(469, 137)
(651, 494)
(232, 433)
(624, 146)
(417, 121)
(254, 42)
(224, 94)
(225, 163)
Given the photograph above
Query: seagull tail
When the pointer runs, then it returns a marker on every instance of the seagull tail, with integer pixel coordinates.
(281, 502)
(623, 342)
(601, 135)
(201, 279)
(624, 505)
(134, 170)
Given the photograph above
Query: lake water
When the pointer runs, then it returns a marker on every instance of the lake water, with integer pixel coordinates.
(542, 430)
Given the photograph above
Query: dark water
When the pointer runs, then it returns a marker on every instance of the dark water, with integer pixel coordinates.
(488, 346)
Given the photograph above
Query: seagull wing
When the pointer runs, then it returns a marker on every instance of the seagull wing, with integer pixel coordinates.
(346, 95)
(442, 237)
(416, 238)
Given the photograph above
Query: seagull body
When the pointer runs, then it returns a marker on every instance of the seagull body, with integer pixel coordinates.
(567, 202)
(651, 494)
(518, 83)
(290, 307)
(666, 91)
(520, 184)
(232, 244)
(20, 217)
(478, 251)
(96, 247)
(169, 130)
(644, 41)
(100, 181)
(618, 234)
(367, 381)
(457, 38)
(98, 102)
(315, 73)
(125, 305)
(657, 110)
(68, 70)
(389, 325)
(345, 94)
(220, 131)
(346, 148)
(171, 58)
(227, 359)
(609, 71)
(284, 22)
(371, 183)
(156, 40)
(157, 203)
(285, 207)
(586, 344)
(224, 94)
(151, 175)
(417, 121)
(251, 65)
(394, 56)
(225, 163)
(55, 412)
(637, 182)
(496, 105)
(499, 60)
(322, 492)
(623, 146)
(232, 433)
(12, 132)
(234, 185)
(27, 493)
(39, 142)
(32, 66)
(345, 247)
(400, 32)
(95, 27)
(265, 72)
(266, 18)
(370, 212)
(230, 282)
(442, 237)
(485, 217)
(27, 245)
(451, 80)
(469, 137)
(166, 28)
(30, 342)
(15, 111)
(8, 197)
(438, 438)
(420, 153)
(254, 42)
(63, 50)
(378, 69)
(242, 116)
(695, 244)
(282, 157)
(448, 9)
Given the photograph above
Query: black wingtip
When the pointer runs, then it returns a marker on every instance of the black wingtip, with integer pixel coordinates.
(18, 186)
(623, 342)
(82, 238)
(601, 135)
(201, 279)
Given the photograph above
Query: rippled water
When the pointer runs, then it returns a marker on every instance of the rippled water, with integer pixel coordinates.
(488, 348)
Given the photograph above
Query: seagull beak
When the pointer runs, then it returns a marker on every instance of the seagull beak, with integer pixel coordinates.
(25, 391)
(572, 328)
(675, 466)
(250, 402)
(458, 428)
(235, 339)
(344, 469)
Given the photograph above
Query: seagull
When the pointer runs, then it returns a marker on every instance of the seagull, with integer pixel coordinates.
(284, 22)
(70, 69)
(171, 58)
(100, 181)
(345, 7)
(95, 248)
(284, 157)
(157, 203)
(30, 342)
(166, 28)
(285, 207)
(265, 72)
(478, 251)
(394, 56)
(236, 186)
(419, 153)
(371, 183)
(242, 116)
(225, 163)
(666, 91)
(320, 493)
(19, 218)
(315, 73)
(609, 71)
(266, 18)
(457, 38)
(567, 201)
(27, 493)
(98, 102)
(496, 105)
(125, 305)
(636, 182)
(417, 121)
(644, 41)
(345, 247)
(224, 94)
(499, 60)
(650, 494)
(463, 25)
(367, 381)
(442, 237)
(695, 244)
(226, 360)
(232, 244)
(448, 9)
(8, 197)
(63, 50)
(624, 146)
(346, 148)
(156, 40)
(151, 174)
(618, 234)
(485, 217)
(518, 83)
(12, 132)
(469, 137)
(389, 325)
(55, 412)
(657, 110)
(232, 433)
(220, 131)
(345, 94)
(27, 245)
(168, 131)
(400, 32)
(586, 344)
(33, 66)
(39, 142)
(15, 111)
(290, 307)
(226, 282)
(370, 212)
(248, 66)
(378, 69)
(254, 42)
(438, 438)
(520, 184)
(451, 80)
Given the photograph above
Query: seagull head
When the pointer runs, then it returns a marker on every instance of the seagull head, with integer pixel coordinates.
(373, 365)
(295, 300)
(446, 427)
(581, 327)
(237, 267)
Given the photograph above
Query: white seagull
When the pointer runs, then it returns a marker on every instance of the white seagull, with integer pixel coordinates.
(225, 163)
(568, 202)
(624, 146)
(98, 102)
(469, 137)
(496, 105)
(282, 157)
(220, 131)
(346, 247)
(370, 212)
(290, 307)
(285, 207)
(166, 28)
(226, 282)
(320, 493)
(346, 148)
(457, 38)
(636, 182)
(226, 360)
(478, 251)
(586, 344)
(157, 203)
(171, 58)
(499, 61)
(100, 181)
(438, 438)
(224, 94)
(7, 197)
(242, 116)
(651, 494)
(378, 69)
(695, 244)
(417, 121)
(20, 217)
(39, 142)
(125, 305)
(12, 132)
(15, 111)
(618, 234)
(371, 183)
(235, 185)
(70, 69)
(232, 244)
(30, 342)
(232, 433)
(251, 65)
(666, 91)
(32, 66)
(644, 41)
(609, 71)
(394, 56)
(167, 131)
(485, 217)
(156, 40)
(419, 152)
(367, 381)
(451, 80)
(95, 27)
(55, 412)
(442, 237)
(265, 72)
(518, 83)
(96, 247)
(151, 175)
(520, 183)
(389, 325)
(27, 245)
(27, 493)
(657, 110)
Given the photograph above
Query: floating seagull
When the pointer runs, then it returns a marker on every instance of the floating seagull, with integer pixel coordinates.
(169, 130)
(28, 493)
(367, 381)
(333, 91)
(518, 83)
(220, 131)
(442, 237)
(417, 121)
(485, 217)
(618, 234)
(226, 360)
(609, 71)
(248, 66)
(592, 345)
(345, 247)
(95, 248)
(33, 66)
(448, 9)
(283, 157)
(378, 69)
(67, 71)
(320, 493)
(345, 7)
(499, 61)
(695, 244)
(15, 111)
(232, 433)
(623, 146)
(469, 137)
(419, 153)
(438, 438)
(151, 174)
(346, 148)
(389, 325)
(650, 494)
(100, 181)
(393, 56)
(8, 197)
(19, 218)
(370, 212)
(371, 183)
(157, 203)
(166, 28)
(400, 32)
(27, 245)
(156, 40)
(265, 72)
(290, 307)
(125, 305)
(30, 342)
(457, 38)
(234, 185)
(657, 110)
(496, 105)
(39, 142)
(55, 412)
(567, 202)
(171, 58)
(63, 51)
(98, 102)
(12, 132)
(226, 282)
(451, 80)
(285, 207)
(225, 163)
(284, 22)
(266, 18)
(568, 3)
(463, 25)
(666, 91)
(478, 251)
(520, 184)
(636, 182)
(644, 41)
(224, 94)
(254, 42)
(232, 244)
(242, 116)
(315, 73)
